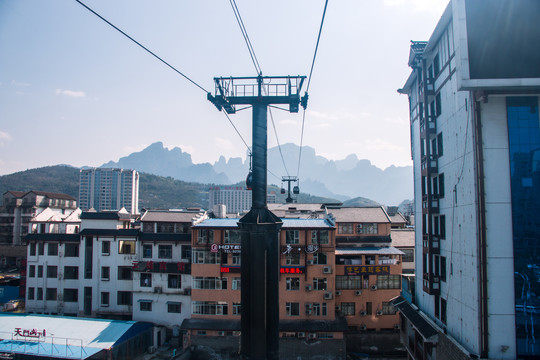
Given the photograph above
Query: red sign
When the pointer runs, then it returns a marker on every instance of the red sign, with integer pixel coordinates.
(230, 269)
(292, 270)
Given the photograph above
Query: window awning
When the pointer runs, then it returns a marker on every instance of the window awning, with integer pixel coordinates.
(145, 300)
(424, 328)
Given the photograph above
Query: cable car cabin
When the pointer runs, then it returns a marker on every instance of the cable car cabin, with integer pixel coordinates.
(282, 190)
(296, 190)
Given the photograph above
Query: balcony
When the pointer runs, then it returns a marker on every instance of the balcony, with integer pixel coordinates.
(431, 284)
(427, 127)
(431, 244)
(430, 204)
(429, 165)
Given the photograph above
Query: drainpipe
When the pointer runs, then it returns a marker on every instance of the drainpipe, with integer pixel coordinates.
(481, 218)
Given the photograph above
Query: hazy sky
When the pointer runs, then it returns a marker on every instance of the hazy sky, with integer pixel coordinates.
(75, 91)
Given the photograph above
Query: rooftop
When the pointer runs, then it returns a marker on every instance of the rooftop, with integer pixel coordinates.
(359, 214)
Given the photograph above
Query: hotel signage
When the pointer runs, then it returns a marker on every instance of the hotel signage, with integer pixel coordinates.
(367, 270)
(235, 249)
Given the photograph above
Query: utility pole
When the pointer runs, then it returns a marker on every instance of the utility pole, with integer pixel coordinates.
(260, 227)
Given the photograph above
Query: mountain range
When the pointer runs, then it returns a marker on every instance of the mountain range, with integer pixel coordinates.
(337, 179)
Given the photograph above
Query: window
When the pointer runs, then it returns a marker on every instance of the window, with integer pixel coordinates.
(174, 281)
(39, 294)
(147, 251)
(232, 237)
(126, 247)
(71, 250)
(437, 306)
(388, 308)
(443, 268)
(442, 226)
(440, 145)
(125, 273)
(145, 306)
(319, 283)
(293, 283)
(105, 298)
(165, 251)
(148, 227)
(71, 295)
(186, 252)
(174, 307)
(292, 309)
(52, 272)
(389, 281)
(408, 255)
(33, 249)
(124, 298)
(210, 308)
(50, 294)
(367, 228)
(40, 271)
(205, 236)
(319, 237)
(237, 309)
(165, 227)
(146, 280)
(71, 272)
(320, 258)
(292, 236)
(319, 309)
(347, 308)
(443, 311)
(345, 228)
(32, 271)
(344, 282)
(236, 259)
(293, 258)
(438, 104)
(441, 185)
(52, 249)
(210, 283)
(106, 248)
(204, 256)
(237, 283)
(31, 293)
(41, 249)
(105, 273)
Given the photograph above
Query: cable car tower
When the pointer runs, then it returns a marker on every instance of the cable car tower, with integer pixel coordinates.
(296, 189)
(259, 228)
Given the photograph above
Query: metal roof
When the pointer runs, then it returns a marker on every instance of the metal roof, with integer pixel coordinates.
(369, 251)
(287, 223)
(426, 330)
(170, 216)
(402, 237)
(359, 214)
(64, 337)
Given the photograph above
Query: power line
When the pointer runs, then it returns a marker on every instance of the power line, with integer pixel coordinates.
(258, 69)
(142, 46)
(246, 37)
(307, 87)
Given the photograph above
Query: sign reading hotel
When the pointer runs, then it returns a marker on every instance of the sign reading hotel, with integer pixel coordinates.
(235, 249)
(367, 270)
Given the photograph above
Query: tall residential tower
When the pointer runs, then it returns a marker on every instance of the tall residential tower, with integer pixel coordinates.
(109, 189)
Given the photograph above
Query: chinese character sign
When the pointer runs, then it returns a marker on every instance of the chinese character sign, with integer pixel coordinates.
(367, 270)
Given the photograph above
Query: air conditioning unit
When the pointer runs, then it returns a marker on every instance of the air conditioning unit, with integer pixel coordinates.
(308, 287)
(373, 287)
(157, 289)
(363, 313)
(327, 295)
(363, 327)
(301, 335)
(60, 254)
(59, 297)
(221, 333)
(187, 291)
(396, 326)
(358, 292)
(151, 349)
(309, 262)
(379, 313)
(309, 306)
(312, 336)
(60, 276)
(338, 293)
(327, 270)
(309, 311)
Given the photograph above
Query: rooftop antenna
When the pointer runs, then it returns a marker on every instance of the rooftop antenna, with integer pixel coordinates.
(259, 228)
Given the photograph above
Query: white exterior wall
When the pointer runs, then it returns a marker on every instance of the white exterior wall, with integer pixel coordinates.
(500, 248)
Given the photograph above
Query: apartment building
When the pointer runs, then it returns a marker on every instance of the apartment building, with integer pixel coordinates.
(105, 189)
(368, 269)
(473, 94)
(236, 199)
